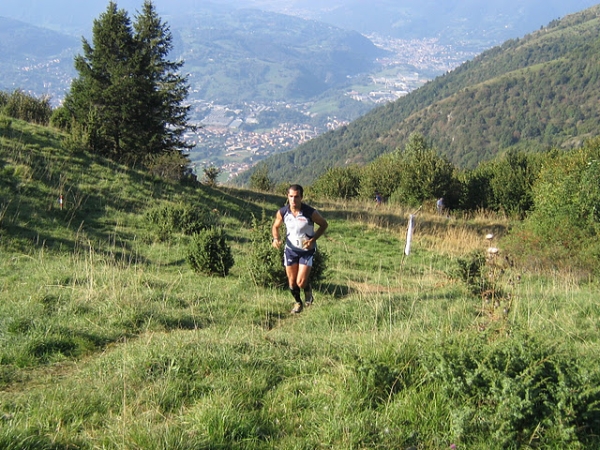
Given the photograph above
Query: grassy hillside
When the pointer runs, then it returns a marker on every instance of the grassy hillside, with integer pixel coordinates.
(533, 93)
(109, 340)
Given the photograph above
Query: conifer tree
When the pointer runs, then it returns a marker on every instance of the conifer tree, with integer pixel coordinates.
(165, 114)
(128, 97)
(425, 175)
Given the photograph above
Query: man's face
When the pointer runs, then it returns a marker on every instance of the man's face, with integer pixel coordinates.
(294, 198)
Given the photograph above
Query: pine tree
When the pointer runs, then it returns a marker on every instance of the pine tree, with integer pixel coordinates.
(165, 113)
(128, 97)
(98, 95)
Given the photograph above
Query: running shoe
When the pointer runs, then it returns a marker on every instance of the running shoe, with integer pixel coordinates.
(297, 308)
(309, 300)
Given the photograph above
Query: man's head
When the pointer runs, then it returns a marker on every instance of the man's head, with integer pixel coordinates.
(294, 195)
(296, 187)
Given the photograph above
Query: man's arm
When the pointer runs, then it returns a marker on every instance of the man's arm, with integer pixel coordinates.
(275, 229)
(319, 220)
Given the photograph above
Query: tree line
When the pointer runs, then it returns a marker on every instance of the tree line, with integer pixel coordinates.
(552, 195)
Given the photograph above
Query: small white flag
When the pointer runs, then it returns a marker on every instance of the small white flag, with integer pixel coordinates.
(409, 233)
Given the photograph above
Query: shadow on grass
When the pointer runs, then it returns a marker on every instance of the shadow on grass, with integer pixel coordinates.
(271, 319)
(334, 290)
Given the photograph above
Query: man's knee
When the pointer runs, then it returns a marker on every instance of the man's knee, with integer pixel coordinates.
(302, 282)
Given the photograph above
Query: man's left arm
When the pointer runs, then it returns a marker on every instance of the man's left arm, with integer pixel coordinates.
(319, 220)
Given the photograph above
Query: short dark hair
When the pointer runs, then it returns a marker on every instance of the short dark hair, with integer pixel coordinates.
(297, 188)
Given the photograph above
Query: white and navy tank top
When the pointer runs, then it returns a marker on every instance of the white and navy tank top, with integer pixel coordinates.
(298, 228)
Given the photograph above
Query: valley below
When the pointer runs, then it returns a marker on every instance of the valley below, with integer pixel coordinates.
(234, 137)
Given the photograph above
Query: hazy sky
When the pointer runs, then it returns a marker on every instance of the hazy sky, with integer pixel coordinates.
(76, 16)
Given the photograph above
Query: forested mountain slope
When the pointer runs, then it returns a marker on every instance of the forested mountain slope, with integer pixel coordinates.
(33, 58)
(532, 93)
(250, 55)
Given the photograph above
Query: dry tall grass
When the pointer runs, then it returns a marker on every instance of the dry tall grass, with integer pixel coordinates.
(454, 233)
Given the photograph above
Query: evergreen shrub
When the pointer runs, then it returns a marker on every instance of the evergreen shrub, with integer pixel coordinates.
(61, 118)
(188, 219)
(516, 392)
(266, 262)
(470, 269)
(259, 180)
(210, 253)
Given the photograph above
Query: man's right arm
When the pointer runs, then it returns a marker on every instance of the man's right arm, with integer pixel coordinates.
(275, 229)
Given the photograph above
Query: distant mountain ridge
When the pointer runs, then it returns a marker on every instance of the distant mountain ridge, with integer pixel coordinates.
(463, 22)
(19, 38)
(253, 55)
(232, 55)
(27, 51)
(474, 24)
(533, 93)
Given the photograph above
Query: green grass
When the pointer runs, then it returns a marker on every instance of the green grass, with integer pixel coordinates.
(109, 340)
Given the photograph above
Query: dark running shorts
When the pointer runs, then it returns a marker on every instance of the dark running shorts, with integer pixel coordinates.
(291, 257)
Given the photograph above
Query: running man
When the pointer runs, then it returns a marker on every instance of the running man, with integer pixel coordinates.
(300, 243)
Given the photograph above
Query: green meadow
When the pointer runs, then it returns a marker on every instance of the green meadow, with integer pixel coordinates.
(109, 340)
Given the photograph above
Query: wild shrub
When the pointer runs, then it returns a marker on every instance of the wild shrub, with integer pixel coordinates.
(167, 165)
(21, 105)
(424, 175)
(5, 124)
(265, 266)
(476, 192)
(512, 182)
(378, 381)
(61, 118)
(382, 175)
(211, 174)
(319, 269)
(259, 180)
(210, 253)
(470, 269)
(338, 182)
(188, 219)
(516, 391)
(564, 225)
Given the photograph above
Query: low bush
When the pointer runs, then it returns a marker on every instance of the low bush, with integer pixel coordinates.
(171, 166)
(266, 262)
(265, 266)
(188, 219)
(470, 269)
(21, 105)
(210, 253)
(562, 229)
(517, 391)
(338, 182)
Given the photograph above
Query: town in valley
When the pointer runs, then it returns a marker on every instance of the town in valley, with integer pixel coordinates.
(232, 138)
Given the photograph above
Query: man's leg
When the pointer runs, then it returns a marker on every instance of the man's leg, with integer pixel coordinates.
(308, 297)
(302, 275)
(292, 275)
(303, 281)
